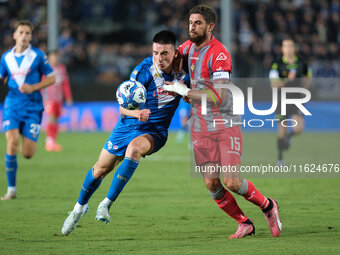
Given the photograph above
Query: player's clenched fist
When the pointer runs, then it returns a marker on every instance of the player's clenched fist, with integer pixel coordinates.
(144, 115)
(26, 89)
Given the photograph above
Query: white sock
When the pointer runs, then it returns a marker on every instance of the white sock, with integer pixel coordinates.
(11, 189)
(107, 202)
(79, 208)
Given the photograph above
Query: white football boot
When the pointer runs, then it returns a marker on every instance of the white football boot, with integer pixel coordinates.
(71, 221)
(103, 213)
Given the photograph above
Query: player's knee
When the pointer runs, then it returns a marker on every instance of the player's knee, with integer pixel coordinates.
(133, 151)
(100, 171)
(212, 184)
(12, 147)
(298, 130)
(232, 184)
(27, 155)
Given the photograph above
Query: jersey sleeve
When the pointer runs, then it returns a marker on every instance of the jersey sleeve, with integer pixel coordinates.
(186, 80)
(183, 51)
(221, 64)
(3, 70)
(142, 74)
(44, 65)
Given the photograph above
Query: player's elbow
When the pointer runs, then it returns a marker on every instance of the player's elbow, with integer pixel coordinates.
(52, 79)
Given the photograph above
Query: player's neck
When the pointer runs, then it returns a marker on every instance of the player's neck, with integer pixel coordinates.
(20, 48)
(290, 58)
(204, 43)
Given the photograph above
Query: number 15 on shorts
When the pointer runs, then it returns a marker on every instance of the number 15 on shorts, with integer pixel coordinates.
(235, 143)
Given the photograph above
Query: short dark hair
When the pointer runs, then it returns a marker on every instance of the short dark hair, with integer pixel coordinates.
(23, 23)
(206, 11)
(165, 37)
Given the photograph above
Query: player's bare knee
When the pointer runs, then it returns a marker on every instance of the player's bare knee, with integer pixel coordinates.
(298, 130)
(12, 150)
(133, 151)
(100, 171)
(27, 155)
(12, 146)
(232, 184)
(212, 184)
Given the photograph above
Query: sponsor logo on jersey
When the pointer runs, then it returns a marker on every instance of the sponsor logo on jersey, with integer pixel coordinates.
(221, 57)
(6, 123)
(21, 72)
(192, 67)
(195, 58)
(161, 93)
(109, 145)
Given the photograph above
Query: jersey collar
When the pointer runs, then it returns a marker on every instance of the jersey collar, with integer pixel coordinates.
(284, 60)
(25, 52)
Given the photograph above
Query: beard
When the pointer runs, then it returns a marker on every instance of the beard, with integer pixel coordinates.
(198, 39)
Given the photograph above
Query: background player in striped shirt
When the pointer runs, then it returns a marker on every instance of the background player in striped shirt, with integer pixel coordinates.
(23, 66)
(53, 100)
(209, 63)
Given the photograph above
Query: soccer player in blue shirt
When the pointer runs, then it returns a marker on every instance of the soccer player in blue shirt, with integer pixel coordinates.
(138, 132)
(22, 67)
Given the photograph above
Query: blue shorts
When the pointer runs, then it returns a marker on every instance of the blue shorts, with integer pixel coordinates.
(120, 138)
(28, 122)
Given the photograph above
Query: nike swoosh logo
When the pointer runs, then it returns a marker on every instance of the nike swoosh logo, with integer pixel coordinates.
(279, 224)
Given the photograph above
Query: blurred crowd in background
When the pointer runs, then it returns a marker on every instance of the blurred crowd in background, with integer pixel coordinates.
(101, 41)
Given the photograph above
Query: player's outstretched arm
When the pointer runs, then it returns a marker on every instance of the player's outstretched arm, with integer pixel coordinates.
(142, 115)
(47, 81)
(194, 94)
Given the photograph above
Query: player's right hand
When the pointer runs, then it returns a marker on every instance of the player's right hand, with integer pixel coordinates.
(291, 75)
(26, 89)
(144, 115)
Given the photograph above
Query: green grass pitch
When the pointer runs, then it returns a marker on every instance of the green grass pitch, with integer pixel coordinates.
(163, 210)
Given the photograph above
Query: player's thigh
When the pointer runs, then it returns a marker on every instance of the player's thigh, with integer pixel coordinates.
(12, 141)
(299, 123)
(30, 126)
(105, 164)
(205, 149)
(140, 146)
(28, 147)
(229, 143)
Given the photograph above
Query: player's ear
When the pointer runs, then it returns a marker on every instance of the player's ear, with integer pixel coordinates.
(211, 27)
(176, 53)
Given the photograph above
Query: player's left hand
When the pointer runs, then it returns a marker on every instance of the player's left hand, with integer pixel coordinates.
(144, 115)
(26, 89)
